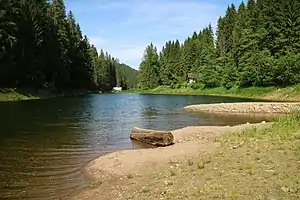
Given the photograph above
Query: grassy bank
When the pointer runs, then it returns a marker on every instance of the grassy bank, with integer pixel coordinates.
(270, 93)
(255, 164)
(27, 94)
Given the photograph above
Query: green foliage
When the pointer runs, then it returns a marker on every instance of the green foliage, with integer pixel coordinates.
(288, 68)
(126, 77)
(43, 47)
(149, 69)
(257, 45)
(196, 86)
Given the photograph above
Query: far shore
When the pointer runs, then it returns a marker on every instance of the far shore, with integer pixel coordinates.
(20, 94)
(291, 93)
(288, 94)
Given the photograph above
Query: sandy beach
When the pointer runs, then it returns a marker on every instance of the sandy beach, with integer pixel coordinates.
(113, 173)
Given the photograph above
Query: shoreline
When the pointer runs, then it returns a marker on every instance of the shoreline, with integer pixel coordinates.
(289, 94)
(246, 108)
(121, 166)
(9, 94)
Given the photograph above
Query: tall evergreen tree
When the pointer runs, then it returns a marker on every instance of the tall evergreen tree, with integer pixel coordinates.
(149, 69)
(208, 74)
(61, 75)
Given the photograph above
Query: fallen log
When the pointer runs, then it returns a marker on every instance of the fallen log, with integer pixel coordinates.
(153, 137)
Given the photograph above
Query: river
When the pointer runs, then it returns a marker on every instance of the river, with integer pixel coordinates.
(45, 144)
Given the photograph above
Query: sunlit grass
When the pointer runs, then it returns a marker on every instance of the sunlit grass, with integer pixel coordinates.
(273, 93)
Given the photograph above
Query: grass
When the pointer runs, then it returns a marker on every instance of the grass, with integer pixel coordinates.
(264, 164)
(271, 93)
(27, 94)
(14, 95)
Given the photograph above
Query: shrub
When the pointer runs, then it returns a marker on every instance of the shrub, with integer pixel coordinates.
(196, 86)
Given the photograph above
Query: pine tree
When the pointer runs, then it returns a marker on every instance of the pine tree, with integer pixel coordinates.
(176, 63)
(163, 73)
(250, 43)
(190, 53)
(8, 39)
(149, 69)
(104, 82)
(61, 76)
(240, 25)
(208, 72)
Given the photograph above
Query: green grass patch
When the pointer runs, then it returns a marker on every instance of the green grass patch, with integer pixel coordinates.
(27, 94)
(272, 93)
(14, 95)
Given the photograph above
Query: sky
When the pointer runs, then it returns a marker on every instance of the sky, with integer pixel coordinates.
(125, 27)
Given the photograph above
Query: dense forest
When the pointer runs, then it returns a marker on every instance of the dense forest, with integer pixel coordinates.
(256, 44)
(41, 46)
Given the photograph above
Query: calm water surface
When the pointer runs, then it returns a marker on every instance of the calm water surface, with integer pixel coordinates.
(44, 144)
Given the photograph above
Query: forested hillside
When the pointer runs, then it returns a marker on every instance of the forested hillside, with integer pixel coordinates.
(43, 47)
(126, 77)
(257, 44)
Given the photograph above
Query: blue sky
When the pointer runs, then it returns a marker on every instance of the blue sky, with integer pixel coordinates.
(125, 27)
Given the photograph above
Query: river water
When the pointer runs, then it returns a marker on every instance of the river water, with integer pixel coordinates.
(45, 144)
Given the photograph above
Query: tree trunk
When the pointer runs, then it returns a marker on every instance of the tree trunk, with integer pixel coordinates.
(155, 138)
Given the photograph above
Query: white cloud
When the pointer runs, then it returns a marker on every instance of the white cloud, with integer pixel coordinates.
(130, 25)
(173, 12)
(98, 41)
(130, 53)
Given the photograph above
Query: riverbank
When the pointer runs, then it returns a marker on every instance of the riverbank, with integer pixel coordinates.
(269, 93)
(206, 163)
(28, 94)
(249, 107)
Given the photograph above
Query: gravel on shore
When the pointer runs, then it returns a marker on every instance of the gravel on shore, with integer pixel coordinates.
(249, 107)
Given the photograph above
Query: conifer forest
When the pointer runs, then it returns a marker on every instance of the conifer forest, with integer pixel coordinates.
(255, 44)
(42, 46)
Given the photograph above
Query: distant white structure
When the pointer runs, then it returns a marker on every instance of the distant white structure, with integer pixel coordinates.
(117, 88)
(191, 81)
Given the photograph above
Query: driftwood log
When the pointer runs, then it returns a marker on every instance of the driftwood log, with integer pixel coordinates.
(153, 137)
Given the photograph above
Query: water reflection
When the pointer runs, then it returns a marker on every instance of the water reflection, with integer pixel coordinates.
(45, 143)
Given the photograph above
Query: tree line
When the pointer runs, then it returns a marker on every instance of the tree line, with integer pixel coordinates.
(41, 46)
(256, 44)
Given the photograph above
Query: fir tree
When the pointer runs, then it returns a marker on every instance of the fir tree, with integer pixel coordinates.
(149, 69)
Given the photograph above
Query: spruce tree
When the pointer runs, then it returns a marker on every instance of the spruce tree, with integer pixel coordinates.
(61, 76)
(208, 74)
(149, 69)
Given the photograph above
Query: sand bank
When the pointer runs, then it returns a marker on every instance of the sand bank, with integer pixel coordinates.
(249, 107)
(113, 171)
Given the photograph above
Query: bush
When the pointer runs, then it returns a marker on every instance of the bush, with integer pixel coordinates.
(175, 86)
(184, 85)
(287, 71)
(196, 86)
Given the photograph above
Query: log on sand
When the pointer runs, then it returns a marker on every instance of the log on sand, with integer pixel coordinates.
(153, 137)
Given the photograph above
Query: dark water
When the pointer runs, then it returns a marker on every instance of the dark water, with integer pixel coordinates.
(44, 144)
